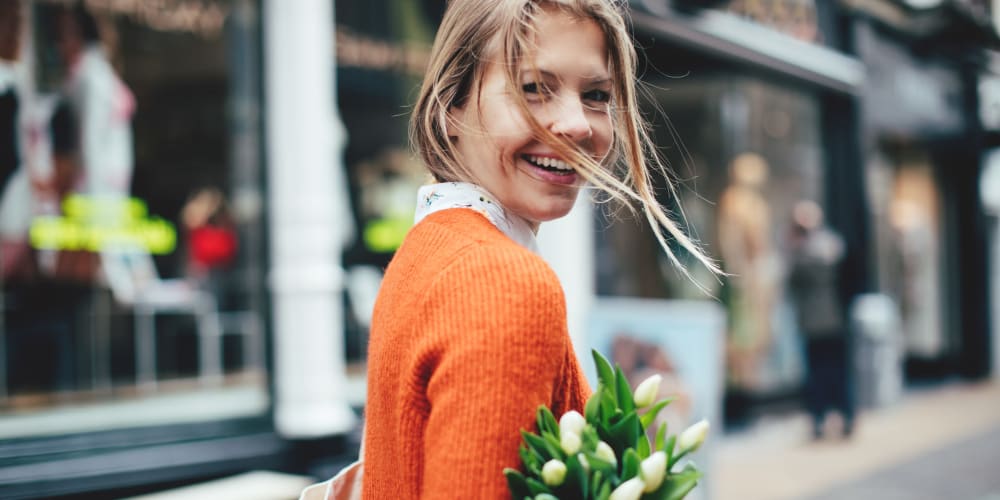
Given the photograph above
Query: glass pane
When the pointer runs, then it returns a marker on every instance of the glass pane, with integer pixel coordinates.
(909, 244)
(382, 50)
(131, 232)
(744, 150)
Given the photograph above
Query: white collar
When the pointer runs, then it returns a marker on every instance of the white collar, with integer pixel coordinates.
(436, 197)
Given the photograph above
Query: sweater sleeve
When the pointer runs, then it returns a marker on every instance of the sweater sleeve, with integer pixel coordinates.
(501, 321)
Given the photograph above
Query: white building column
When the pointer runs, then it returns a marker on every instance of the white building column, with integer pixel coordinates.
(308, 218)
(567, 245)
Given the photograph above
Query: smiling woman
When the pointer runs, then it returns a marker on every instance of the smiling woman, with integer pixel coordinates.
(524, 103)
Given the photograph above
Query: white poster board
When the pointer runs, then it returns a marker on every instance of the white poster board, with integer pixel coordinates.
(683, 340)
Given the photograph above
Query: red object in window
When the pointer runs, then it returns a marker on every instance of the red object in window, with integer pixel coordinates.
(213, 246)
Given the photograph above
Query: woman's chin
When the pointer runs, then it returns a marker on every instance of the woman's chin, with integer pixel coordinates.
(550, 212)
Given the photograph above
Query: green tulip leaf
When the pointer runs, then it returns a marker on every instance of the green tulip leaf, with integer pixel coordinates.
(661, 434)
(596, 479)
(604, 371)
(589, 438)
(668, 448)
(624, 434)
(547, 421)
(649, 416)
(630, 464)
(597, 464)
(592, 410)
(676, 486)
(624, 392)
(575, 485)
(537, 487)
(531, 460)
(605, 491)
(542, 447)
(608, 407)
(553, 445)
(642, 446)
(517, 484)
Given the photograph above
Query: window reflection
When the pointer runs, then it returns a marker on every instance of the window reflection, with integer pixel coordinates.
(131, 245)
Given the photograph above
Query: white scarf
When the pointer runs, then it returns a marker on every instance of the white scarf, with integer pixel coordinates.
(436, 197)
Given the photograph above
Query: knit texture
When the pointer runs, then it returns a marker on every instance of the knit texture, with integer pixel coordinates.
(468, 338)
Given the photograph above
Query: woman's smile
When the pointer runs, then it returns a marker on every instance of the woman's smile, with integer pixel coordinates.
(550, 169)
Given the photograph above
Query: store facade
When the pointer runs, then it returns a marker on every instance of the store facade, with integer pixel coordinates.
(925, 145)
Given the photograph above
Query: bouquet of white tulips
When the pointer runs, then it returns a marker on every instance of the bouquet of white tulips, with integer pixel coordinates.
(607, 455)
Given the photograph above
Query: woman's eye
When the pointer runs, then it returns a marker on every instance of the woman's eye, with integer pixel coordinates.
(536, 91)
(597, 96)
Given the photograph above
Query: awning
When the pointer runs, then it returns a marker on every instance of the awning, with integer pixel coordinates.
(732, 38)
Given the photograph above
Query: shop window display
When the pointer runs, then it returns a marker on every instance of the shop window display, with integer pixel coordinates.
(744, 151)
(131, 252)
(910, 217)
(382, 50)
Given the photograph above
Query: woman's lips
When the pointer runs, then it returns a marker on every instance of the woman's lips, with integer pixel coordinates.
(551, 175)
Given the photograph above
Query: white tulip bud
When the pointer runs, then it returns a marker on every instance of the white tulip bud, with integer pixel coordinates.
(570, 442)
(645, 394)
(606, 453)
(572, 421)
(584, 464)
(629, 490)
(693, 436)
(653, 469)
(553, 473)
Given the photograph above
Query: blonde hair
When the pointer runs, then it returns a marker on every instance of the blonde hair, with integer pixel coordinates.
(472, 31)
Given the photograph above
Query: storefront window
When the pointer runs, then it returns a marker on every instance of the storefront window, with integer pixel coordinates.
(382, 50)
(744, 151)
(909, 244)
(131, 231)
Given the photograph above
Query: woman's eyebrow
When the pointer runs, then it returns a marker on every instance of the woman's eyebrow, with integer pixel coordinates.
(598, 79)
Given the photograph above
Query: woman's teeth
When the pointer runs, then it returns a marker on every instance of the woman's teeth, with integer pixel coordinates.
(549, 163)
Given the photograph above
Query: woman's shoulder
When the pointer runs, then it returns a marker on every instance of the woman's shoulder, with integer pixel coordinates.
(484, 251)
(460, 237)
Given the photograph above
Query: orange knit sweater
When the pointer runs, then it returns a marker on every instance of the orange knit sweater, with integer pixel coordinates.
(468, 338)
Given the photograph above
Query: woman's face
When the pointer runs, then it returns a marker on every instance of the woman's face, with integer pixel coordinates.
(569, 95)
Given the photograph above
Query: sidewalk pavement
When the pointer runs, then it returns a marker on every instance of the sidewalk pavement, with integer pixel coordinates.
(932, 444)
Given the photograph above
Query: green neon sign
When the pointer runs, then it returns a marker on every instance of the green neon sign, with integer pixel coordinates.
(386, 234)
(94, 223)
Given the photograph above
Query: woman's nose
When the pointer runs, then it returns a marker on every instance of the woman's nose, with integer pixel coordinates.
(569, 119)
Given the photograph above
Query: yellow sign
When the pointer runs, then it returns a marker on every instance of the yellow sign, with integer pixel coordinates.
(386, 234)
(103, 223)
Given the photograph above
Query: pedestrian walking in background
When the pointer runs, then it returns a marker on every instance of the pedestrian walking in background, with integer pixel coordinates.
(816, 252)
(102, 103)
(523, 103)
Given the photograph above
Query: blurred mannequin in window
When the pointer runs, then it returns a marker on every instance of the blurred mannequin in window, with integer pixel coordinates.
(748, 256)
(816, 252)
(102, 103)
(917, 286)
(14, 186)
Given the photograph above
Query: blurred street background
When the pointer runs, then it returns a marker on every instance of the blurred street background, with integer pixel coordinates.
(198, 199)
